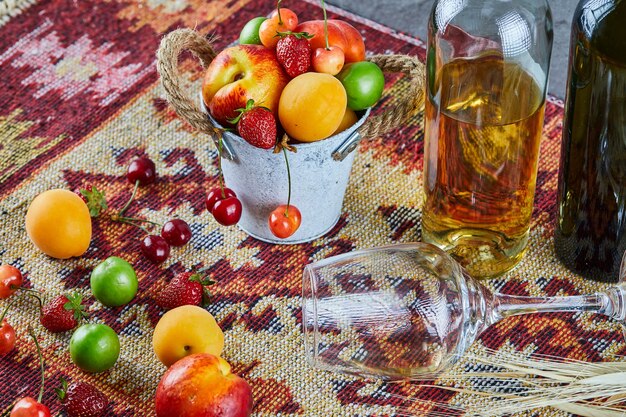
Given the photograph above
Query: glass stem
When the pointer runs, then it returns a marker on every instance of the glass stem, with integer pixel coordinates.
(610, 303)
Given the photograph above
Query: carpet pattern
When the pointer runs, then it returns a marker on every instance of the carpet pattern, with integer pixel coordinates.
(80, 98)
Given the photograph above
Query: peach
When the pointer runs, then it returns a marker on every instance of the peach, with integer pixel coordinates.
(202, 385)
(355, 46)
(238, 74)
(184, 331)
(340, 33)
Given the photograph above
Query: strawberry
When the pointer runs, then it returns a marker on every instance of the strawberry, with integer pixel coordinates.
(82, 400)
(62, 313)
(257, 125)
(187, 288)
(293, 51)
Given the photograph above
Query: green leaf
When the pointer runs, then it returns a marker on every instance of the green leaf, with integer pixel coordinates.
(75, 304)
(96, 201)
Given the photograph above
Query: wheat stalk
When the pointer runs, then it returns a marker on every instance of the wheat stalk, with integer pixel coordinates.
(517, 383)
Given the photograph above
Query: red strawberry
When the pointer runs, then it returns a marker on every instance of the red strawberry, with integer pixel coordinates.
(257, 125)
(187, 288)
(62, 313)
(293, 51)
(82, 400)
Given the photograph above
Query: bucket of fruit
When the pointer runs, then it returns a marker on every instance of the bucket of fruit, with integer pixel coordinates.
(286, 108)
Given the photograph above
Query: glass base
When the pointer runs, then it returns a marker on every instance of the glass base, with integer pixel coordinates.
(483, 253)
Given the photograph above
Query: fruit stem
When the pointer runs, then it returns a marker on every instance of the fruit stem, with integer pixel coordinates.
(32, 334)
(127, 220)
(132, 197)
(280, 18)
(219, 163)
(289, 183)
(133, 219)
(16, 299)
(325, 25)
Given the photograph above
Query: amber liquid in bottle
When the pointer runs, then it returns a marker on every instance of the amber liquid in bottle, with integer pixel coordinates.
(590, 234)
(484, 125)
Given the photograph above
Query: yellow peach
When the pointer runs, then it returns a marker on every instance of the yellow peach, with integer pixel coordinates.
(184, 331)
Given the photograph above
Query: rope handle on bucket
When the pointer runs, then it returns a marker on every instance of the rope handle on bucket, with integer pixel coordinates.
(180, 40)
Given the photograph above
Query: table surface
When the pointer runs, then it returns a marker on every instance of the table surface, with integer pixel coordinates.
(79, 101)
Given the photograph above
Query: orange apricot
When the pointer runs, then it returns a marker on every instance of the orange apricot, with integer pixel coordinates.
(312, 106)
(59, 224)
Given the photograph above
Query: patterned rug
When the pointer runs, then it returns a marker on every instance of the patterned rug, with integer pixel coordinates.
(80, 97)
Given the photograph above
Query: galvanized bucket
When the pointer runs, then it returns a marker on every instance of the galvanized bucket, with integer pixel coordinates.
(319, 170)
(319, 177)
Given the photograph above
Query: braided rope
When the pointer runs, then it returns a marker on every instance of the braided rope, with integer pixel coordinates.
(186, 39)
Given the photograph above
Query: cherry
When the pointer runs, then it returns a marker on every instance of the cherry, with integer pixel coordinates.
(227, 211)
(328, 60)
(215, 194)
(284, 221)
(176, 232)
(155, 248)
(29, 407)
(10, 280)
(7, 337)
(142, 171)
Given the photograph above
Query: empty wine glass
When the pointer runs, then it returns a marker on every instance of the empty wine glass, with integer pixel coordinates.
(409, 311)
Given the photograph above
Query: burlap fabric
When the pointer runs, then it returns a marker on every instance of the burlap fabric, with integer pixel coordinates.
(80, 98)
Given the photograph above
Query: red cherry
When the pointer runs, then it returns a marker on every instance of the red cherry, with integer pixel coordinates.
(7, 337)
(176, 232)
(29, 407)
(284, 222)
(155, 248)
(10, 280)
(228, 211)
(215, 194)
(141, 169)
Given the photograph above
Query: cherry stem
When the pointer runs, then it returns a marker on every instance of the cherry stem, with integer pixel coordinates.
(132, 197)
(325, 25)
(130, 221)
(280, 18)
(32, 334)
(16, 299)
(219, 163)
(289, 183)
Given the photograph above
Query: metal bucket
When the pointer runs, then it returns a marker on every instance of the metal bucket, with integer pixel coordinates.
(319, 177)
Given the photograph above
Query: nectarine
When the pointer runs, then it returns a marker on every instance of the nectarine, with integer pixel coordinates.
(241, 73)
(202, 385)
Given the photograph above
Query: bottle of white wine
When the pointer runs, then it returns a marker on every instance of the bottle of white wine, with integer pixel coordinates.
(488, 64)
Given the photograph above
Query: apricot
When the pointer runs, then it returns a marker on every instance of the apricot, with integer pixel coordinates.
(349, 118)
(312, 106)
(59, 224)
(184, 331)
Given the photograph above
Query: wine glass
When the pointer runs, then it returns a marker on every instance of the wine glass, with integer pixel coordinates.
(409, 311)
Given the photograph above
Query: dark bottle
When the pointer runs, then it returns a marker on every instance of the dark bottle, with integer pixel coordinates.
(590, 232)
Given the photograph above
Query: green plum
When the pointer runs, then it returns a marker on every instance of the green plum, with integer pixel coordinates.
(114, 282)
(364, 82)
(94, 347)
(250, 33)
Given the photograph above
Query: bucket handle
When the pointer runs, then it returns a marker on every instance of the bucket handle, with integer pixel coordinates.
(180, 40)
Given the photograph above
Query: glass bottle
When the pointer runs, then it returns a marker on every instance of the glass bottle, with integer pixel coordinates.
(590, 235)
(487, 64)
